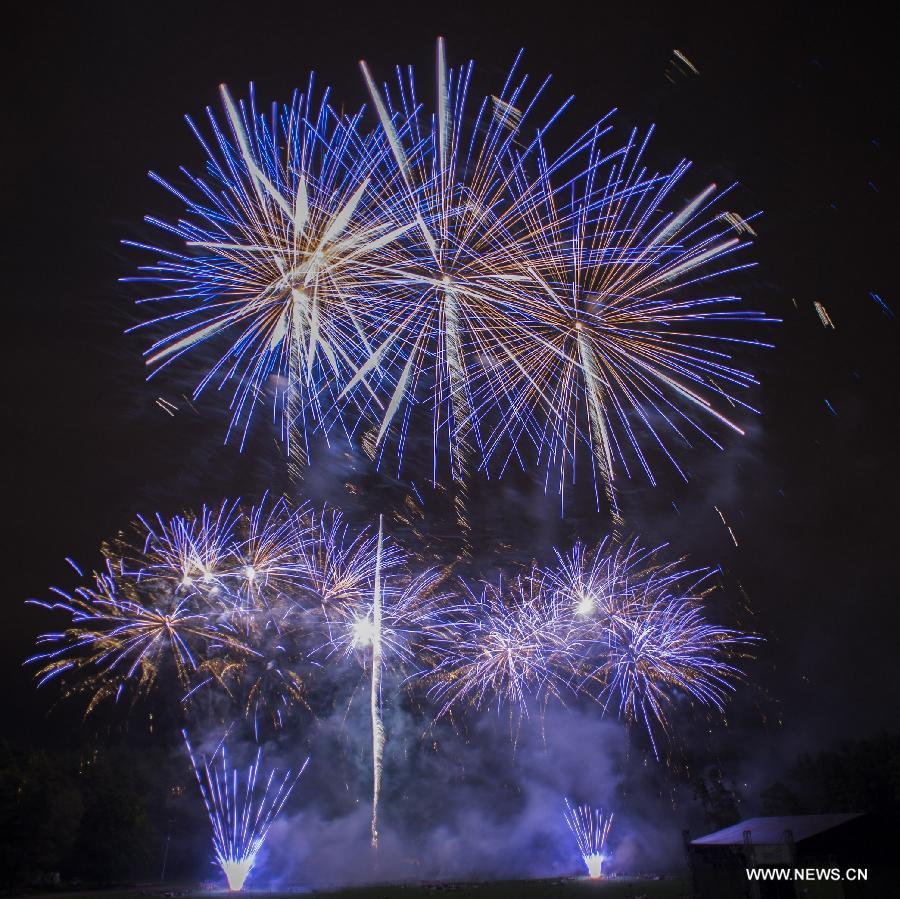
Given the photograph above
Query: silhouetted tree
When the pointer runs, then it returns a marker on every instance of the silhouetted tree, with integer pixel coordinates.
(856, 776)
(719, 800)
(780, 799)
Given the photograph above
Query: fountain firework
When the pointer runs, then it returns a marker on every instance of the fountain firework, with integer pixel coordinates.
(240, 811)
(591, 830)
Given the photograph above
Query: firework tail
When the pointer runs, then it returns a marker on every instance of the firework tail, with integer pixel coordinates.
(459, 407)
(377, 724)
(456, 369)
(599, 431)
(295, 437)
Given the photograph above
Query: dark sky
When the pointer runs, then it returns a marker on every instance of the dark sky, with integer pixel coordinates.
(796, 105)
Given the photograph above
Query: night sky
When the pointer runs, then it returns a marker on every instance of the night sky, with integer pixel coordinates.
(796, 106)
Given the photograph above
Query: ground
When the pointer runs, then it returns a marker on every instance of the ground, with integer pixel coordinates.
(568, 888)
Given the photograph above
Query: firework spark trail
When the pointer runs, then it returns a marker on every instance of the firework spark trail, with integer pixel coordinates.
(378, 735)
(596, 415)
(240, 813)
(367, 615)
(591, 830)
(339, 566)
(283, 245)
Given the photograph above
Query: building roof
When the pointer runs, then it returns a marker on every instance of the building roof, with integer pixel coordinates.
(770, 831)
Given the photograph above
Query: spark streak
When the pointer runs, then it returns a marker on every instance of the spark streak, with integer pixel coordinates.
(378, 735)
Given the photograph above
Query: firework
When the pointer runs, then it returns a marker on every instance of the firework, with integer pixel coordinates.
(241, 809)
(367, 616)
(121, 634)
(507, 643)
(591, 829)
(663, 651)
(340, 569)
(284, 238)
(621, 340)
(595, 584)
(374, 639)
(253, 601)
(611, 622)
(243, 564)
(210, 595)
(642, 625)
(450, 260)
(339, 565)
(465, 190)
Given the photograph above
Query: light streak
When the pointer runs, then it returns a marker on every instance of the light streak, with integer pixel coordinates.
(824, 317)
(378, 734)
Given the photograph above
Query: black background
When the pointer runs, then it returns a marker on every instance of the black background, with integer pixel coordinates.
(798, 104)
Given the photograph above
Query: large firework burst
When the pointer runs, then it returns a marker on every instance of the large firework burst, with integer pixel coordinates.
(467, 264)
(203, 593)
(642, 624)
(450, 259)
(622, 344)
(613, 623)
(285, 237)
(123, 635)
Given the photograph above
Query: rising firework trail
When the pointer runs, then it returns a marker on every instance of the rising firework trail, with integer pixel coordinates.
(378, 736)
(591, 829)
(368, 614)
(241, 809)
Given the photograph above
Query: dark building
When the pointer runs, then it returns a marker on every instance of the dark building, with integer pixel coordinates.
(816, 856)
